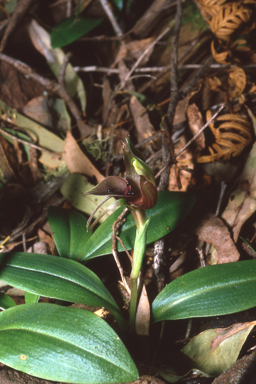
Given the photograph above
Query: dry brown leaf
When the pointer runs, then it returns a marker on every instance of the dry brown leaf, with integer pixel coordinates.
(242, 202)
(180, 111)
(142, 123)
(134, 50)
(214, 84)
(195, 122)
(46, 239)
(179, 180)
(8, 161)
(215, 232)
(236, 82)
(142, 321)
(229, 18)
(33, 164)
(108, 103)
(77, 161)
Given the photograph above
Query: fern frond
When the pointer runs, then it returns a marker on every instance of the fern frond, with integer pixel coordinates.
(231, 137)
(228, 19)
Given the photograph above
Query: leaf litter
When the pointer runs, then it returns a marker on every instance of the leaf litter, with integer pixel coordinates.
(122, 85)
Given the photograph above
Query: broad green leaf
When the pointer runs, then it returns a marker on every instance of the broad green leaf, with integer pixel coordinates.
(73, 190)
(6, 301)
(31, 298)
(63, 344)
(69, 231)
(56, 277)
(170, 210)
(72, 29)
(209, 291)
(42, 136)
(215, 350)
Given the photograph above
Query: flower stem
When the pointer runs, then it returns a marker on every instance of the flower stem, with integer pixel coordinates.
(133, 303)
(139, 251)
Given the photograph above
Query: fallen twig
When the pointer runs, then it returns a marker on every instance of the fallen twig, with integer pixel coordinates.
(51, 86)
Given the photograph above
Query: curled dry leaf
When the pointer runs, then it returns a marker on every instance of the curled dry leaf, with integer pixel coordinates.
(180, 179)
(228, 19)
(221, 57)
(236, 82)
(242, 202)
(231, 137)
(214, 84)
(77, 161)
(212, 230)
(195, 122)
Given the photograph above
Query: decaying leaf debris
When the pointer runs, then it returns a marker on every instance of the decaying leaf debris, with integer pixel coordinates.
(157, 71)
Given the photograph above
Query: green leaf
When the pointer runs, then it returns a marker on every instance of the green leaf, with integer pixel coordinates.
(170, 210)
(10, 6)
(139, 249)
(42, 136)
(211, 291)
(31, 298)
(69, 231)
(215, 350)
(72, 29)
(119, 4)
(63, 344)
(6, 301)
(56, 277)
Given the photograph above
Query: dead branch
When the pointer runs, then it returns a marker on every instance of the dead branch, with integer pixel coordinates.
(51, 86)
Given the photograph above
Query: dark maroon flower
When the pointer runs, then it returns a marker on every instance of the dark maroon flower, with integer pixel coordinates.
(138, 189)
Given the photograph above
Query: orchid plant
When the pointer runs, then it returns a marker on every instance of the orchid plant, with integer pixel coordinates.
(137, 192)
(73, 345)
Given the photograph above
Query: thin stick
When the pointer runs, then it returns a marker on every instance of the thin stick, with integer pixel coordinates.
(119, 221)
(50, 86)
(26, 142)
(124, 247)
(200, 131)
(95, 210)
(111, 18)
(143, 55)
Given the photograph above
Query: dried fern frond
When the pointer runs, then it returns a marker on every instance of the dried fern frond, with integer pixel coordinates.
(228, 19)
(221, 57)
(214, 84)
(210, 7)
(231, 137)
(239, 51)
(252, 89)
(236, 82)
